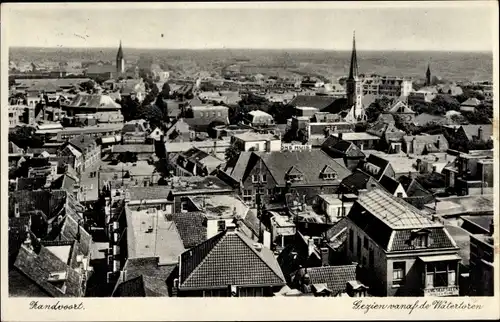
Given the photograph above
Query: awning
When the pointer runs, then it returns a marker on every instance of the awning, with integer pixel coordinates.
(439, 258)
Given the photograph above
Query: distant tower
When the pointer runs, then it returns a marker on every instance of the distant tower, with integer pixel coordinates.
(120, 61)
(428, 75)
(354, 88)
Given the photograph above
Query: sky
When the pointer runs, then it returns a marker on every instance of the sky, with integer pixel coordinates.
(451, 28)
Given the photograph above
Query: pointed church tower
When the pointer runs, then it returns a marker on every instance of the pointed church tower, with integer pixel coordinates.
(428, 76)
(354, 88)
(120, 61)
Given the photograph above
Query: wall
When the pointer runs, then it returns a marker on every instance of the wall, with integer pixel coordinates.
(249, 185)
(213, 226)
(378, 279)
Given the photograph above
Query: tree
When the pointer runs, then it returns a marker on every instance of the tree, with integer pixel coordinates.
(88, 86)
(152, 114)
(443, 103)
(232, 152)
(25, 137)
(165, 91)
(376, 108)
(130, 108)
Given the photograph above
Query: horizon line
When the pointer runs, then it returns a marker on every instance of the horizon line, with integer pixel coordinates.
(254, 48)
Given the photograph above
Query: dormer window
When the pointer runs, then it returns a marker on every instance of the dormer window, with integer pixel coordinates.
(294, 174)
(328, 173)
(420, 238)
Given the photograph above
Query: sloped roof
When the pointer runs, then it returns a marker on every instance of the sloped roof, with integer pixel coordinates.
(359, 180)
(388, 218)
(236, 168)
(400, 107)
(380, 164)
(335, 277)
(228, 258)
(84, 100)
(471, 102)
(472, 130)
(392, 211)
(38, 267)
(389, 184)
(82, 142)
(192, 227)
(309, 163)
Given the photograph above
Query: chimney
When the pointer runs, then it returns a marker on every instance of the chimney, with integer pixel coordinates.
(438, 143)
(325, 256)
(433, 168)
(340, 135)
(310, 246)
(480, 133)
(231, 228)
(492, 228)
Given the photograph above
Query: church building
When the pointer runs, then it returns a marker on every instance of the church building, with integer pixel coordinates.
(354, 90)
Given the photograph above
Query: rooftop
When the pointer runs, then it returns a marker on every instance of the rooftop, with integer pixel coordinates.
(463, 204)
(394, 212)
(221, 206)
(357, 136)
(229, 258)
(190, 185)
(252, 136)
(149, 234)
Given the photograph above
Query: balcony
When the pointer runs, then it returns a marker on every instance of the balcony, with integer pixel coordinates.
(441, 291)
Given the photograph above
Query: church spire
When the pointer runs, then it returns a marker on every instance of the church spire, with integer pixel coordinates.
(428, 75)
(119, 55)
(353, 69)
(120, 61)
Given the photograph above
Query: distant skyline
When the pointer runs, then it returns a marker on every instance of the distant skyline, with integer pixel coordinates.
(452, 27)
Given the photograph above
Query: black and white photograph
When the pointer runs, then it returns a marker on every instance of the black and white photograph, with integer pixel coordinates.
(249, 151)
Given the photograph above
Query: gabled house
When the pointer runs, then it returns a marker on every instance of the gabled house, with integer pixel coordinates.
(330, 281)
(470, 105)
(345, 150)
(393, 186)
(195, 162)
(272, 174)
(358, 182)
(84, 149)
(227, 265)
(376, 167)
(403, 111)
(178, 132)
(424, 144)
(404, 252)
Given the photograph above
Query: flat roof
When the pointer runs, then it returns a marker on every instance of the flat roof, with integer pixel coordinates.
(150, 234)
(252, 136)
(221, 206)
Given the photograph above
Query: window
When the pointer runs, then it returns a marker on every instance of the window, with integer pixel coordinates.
(351, 240)
(263, 178)
(398, 272)
(221, 225)
(255, 178)
(294, 177)
(219, 114)
(400, 195)
(270, 192)
(365, 242)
